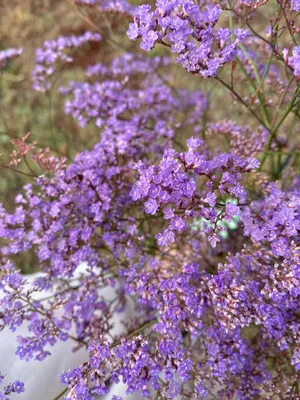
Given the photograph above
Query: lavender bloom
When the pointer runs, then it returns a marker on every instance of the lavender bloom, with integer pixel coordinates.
(295, 6)
(54, 51)
(115, 6)
(248, 3)
(170, 177)
(294, 61)
(189, 32)
(199, 245)
(108, 100)
(243, 140)
(16, 387)
(8, 54)
(151, 206)
(128, 64)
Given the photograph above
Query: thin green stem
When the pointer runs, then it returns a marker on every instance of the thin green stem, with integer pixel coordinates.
(290, 131)
(175, 141)
(248, 77)
(275, 130)
(261, 83)
(255, 71)
(140, 329)
(17, 171)
(241, 100)
(61, 394)
(267, 122)
(285, 92)
(255, 33)
(290, 107)
(29, 167)
(287, 23)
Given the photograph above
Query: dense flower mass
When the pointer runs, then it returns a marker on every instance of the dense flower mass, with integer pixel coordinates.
(168, 187)
(169, 251)
(190, 32)
(113, 98)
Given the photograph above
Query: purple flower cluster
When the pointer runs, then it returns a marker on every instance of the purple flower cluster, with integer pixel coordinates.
(118, 6)
(294, 61)
(16, 387)
(197, 247)
(129, 64)
(111, 100)
(295, 6)
(53, 52)
(171, 187)
(190, 32)
(243, 141)
(8, 54)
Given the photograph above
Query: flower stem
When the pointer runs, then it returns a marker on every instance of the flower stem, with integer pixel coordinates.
(60, 394)
(241, 100)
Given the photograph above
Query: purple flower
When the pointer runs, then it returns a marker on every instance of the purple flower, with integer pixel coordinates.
(168, 213)
(149, 40)
(232, 209)
(165, 238)
(201, 390)
(54, 51)
(151, 206)
(190, 33)
(211, 199)
(294, 61)
(178, 224)
(295, 6)
(194, 143)
(181, 303)
(18, 387)
(133, 31)
(8, 54)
